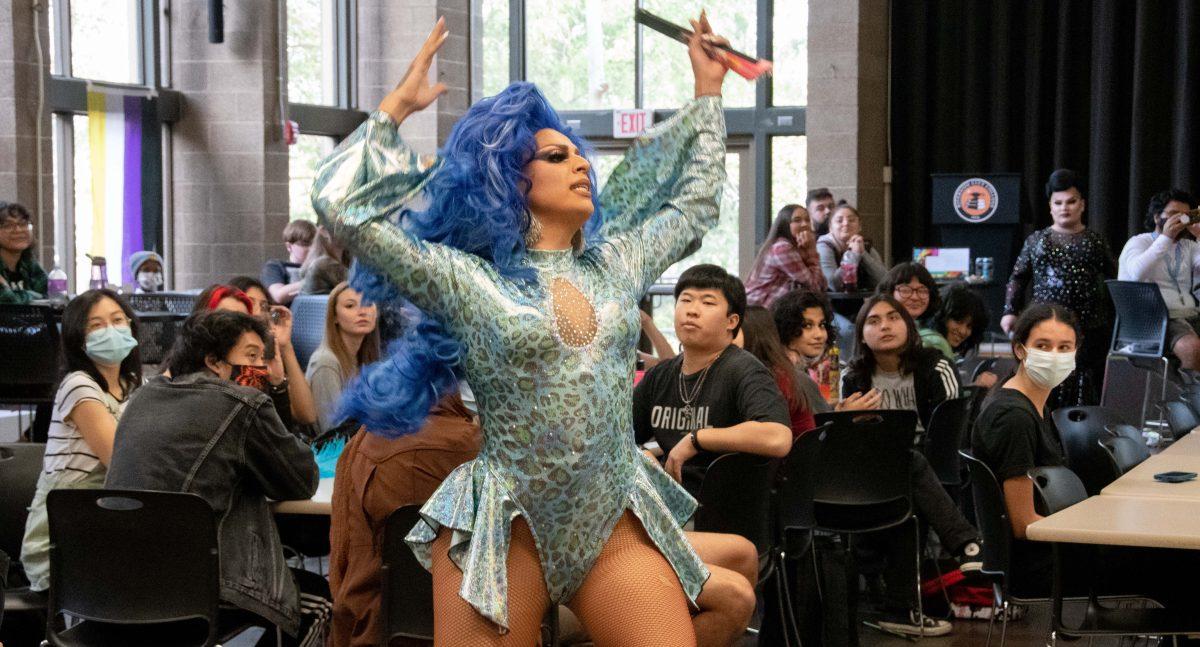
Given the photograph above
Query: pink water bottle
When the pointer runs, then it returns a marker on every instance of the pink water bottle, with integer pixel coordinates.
(849, 271)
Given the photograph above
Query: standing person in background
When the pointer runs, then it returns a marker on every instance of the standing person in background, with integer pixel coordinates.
(328, 264)
(786, 260)
(1066, 264)
(21, 278)
(351, 341)
(820, 206)
(146, 268)
(282, 278)
(913, 286)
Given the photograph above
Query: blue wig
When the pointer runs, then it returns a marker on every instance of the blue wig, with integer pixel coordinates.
(477, 202)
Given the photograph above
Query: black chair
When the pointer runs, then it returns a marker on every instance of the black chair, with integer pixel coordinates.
(1080, 428)
(1192, 398)
(1057, 488)
(29, 344)
(308, 325)
(180, 303)
(735, 497)
(20, 467)
(407, 586)
(1140, 333)
(1125, 431)
(1181, 419)
(947, 430)
(133, 567)
(1124, 453)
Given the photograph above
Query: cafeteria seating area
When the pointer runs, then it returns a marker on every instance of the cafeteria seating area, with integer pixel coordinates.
(760, 323)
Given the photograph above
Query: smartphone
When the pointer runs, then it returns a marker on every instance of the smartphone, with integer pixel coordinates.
(276, 316)
(1192, 216)
(1174, 477)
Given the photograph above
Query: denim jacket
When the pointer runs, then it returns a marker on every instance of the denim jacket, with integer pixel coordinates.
(201, 434)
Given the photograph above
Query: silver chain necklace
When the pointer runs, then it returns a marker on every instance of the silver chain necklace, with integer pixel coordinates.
(689, 411)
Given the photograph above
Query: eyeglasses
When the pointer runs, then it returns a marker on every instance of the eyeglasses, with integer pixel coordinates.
(15, 227)
(905, 291)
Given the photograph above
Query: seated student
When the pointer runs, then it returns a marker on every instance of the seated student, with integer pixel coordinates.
(913, 286)
(961, 321)
(21, 278)
(758, 337)
(227, 444)
(378, 473)
(908, 376)
(146, 268)
(1169, 256)
(713, 397)
(786, 260)
(282, 278)
(845, 237)
(328, 264)
(351, 341)
(819, 203)
(99, 337)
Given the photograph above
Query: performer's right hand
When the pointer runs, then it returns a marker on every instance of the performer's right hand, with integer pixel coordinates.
(414, 92)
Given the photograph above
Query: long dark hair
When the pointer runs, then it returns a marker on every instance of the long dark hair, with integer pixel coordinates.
(781, 229)
(864, 362)
(74, 340)
(761, 340)
(961, 303)
(905, 272)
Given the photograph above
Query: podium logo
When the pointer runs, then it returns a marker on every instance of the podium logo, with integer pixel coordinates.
(975, 200)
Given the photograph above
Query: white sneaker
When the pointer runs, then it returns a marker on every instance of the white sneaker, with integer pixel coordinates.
(912, 626)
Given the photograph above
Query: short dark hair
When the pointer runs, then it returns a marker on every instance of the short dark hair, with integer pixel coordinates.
(864, 362)
(74, 340)
(817, 194)
(1064, 179)
(714, 277)
(961, 303)
(788, 311)
(214, 334)
(14, 211)
(1159, 201)
(905, 272)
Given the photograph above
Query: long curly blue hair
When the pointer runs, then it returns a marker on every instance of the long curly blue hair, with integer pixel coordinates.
(477, 203)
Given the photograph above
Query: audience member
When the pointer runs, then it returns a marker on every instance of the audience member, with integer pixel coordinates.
(694, 418)
(1066, 264)
(227, 444)
(759, 338)
(351, 341)
(222, 297)
(146, 268)
(21, 278)
(786, 260)
(327, 264)
(658, 342)
(282, 278)
(378, 473)
(260, 299)
(962, 321)
(820, 205)
(1169, 256)
(99, 342)
(844, 245)
(913, 286)
(908, 376)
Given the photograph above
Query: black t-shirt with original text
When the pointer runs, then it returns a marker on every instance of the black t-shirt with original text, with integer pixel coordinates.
(737, 389)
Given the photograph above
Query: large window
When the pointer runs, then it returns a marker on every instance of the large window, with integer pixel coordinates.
(304, 155)
(667, 71)
(580, 52)
(791, 54)
(494, 59)
(104, 41)
(312, 55)
(789, 174)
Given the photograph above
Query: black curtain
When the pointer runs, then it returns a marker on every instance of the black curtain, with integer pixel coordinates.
(1109, 88)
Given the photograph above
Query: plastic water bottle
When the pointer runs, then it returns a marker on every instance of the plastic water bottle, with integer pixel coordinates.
(833, 380)
(849, 269)
(56, 282)
(99, 273)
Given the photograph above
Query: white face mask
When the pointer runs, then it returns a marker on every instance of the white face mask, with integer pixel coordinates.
(1048, 369)
(150, 281)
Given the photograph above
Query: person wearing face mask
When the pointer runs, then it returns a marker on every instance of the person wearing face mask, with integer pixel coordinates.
(1066, 264)
(227, 443)
(146, 268)
(99, 337)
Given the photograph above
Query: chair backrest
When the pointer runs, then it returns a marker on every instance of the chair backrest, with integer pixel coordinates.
(133, 557)
(1140, 329)
(1080, 428)
(180, 303)
(991, 515)
(1055, 488)
(1125, 431)
(947, 428)
(795, 483)
(407, 587)
(30, 347)
(735, 498)
(1124, 453)
(308, 325)
(1180, 417)
(862, 479)
(20, 467)
(1192, 399)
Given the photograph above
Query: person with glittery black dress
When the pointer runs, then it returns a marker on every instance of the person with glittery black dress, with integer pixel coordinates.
(1067, 264)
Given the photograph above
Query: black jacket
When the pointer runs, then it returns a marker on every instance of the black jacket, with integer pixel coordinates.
(201, 434)
(934, 381)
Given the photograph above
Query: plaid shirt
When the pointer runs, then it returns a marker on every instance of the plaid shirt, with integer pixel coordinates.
(784, 268)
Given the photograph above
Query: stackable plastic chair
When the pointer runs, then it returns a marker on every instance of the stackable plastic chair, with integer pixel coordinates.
(20, 467)
(947, 429)
(1123, 453)
(308, 325)
(407, 586)
(1080, 429)
(1140, 333)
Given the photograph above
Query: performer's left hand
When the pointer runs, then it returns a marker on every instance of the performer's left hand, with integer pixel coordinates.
(708, 71)
(680, 454)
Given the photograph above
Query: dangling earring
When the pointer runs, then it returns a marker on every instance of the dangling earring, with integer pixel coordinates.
(534, 233)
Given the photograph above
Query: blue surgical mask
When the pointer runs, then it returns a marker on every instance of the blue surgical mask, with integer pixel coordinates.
(110, 345)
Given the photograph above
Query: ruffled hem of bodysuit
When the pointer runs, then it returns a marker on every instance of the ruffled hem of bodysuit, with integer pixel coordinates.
(479, 512)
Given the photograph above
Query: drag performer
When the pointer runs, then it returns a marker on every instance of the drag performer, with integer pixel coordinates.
(525, 292)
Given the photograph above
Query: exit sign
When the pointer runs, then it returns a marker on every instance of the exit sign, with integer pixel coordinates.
(631, 123)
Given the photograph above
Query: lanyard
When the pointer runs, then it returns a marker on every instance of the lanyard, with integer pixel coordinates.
(1173, 270)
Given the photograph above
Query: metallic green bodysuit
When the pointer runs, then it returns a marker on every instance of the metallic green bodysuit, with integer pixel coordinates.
(557, 432)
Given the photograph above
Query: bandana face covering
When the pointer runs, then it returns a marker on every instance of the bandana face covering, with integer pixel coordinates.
(255, 377)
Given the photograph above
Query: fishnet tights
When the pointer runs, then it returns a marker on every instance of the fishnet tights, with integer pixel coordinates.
(630, 597)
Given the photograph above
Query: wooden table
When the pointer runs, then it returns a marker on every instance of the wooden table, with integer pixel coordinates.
(1124, 521)
(320, 503)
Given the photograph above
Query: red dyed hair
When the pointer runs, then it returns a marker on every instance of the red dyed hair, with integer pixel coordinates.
(226, 291)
